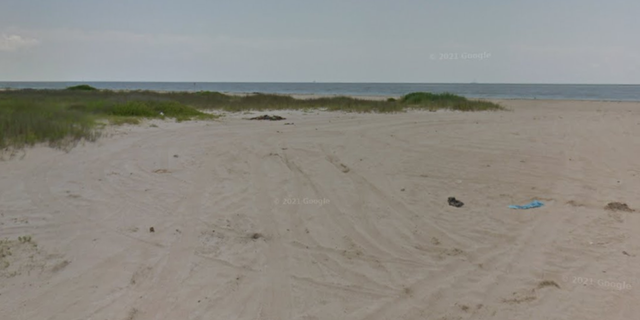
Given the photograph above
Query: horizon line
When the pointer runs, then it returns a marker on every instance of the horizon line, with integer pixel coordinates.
(316, 82)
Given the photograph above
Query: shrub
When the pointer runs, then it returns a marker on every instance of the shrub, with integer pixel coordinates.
(428, 97)
(82, 87)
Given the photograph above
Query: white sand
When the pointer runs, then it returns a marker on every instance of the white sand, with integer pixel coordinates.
(384, 244)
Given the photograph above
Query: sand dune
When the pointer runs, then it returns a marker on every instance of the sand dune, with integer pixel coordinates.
(340, 216)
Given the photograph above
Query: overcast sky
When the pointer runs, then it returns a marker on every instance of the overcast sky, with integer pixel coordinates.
(498, 41)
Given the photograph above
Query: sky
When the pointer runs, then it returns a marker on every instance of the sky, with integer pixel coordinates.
(453, 41)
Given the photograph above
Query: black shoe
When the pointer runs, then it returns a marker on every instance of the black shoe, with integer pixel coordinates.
(455, 203)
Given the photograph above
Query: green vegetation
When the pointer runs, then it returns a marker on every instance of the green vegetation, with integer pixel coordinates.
(24, 122)
(82, 87)
(446, 101)
(62, 118)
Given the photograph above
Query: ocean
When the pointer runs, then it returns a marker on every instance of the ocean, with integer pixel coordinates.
(471, 90)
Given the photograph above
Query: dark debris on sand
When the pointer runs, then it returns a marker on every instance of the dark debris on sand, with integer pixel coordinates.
(268, 117)
(256, 236)
(618, 206)
(455, 202)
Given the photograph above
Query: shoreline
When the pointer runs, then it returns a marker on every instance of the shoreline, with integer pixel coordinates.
(372, 97)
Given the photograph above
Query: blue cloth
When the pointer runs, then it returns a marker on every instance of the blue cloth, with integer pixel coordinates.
(532, 204)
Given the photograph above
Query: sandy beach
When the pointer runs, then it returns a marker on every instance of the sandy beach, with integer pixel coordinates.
(337, 216)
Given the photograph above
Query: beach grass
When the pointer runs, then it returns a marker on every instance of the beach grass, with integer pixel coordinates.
(63, 117)
(446, 101)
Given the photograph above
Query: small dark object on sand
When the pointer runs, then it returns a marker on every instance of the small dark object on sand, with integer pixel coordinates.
(268, 117)
(289, 124)
(455, 202)
(256, 236)
(152, 229)
(617, 206)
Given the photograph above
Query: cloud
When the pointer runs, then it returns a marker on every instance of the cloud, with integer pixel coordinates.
(15, 42)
